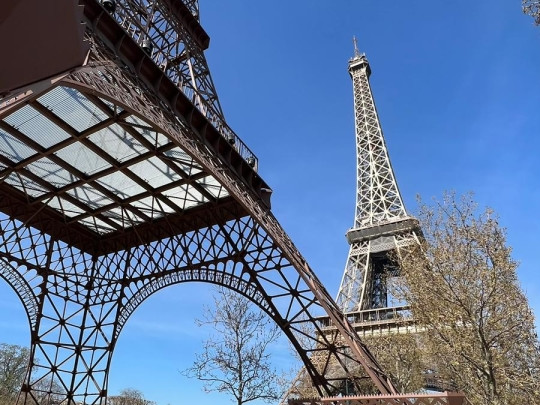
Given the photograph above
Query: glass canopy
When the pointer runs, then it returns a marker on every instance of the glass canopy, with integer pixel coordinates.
(97, 165)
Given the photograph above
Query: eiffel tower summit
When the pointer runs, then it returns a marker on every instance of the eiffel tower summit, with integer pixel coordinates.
(382, 226)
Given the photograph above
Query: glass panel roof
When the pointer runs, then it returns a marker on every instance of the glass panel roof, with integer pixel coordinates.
(184, 161)
(51, 173)
(155, 172)
(69, 209)
(74, 108)
(119, 216)
(31, 123)
(13, 148)
(90, 196)
(106, 177)
(117, 142)
(82, 158)
(155, 138)
(152, 207)
(115, 108)
(185, 196)
(97, 225)
(25, 185)
(121, 185)
(123, 217)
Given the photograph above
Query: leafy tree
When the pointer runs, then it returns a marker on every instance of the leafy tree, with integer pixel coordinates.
(532, 8)
(462, 287)
(14, 361)
(46, 391)
(234, 359)
(400, 355)
(129, 396)
(13, 366)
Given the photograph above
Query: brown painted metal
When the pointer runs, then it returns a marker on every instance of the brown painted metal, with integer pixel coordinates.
(80, 282)
(41, 38)
(446, 398)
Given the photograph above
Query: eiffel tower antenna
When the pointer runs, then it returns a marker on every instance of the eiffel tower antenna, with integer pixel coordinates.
(381, 223)
(356, 51)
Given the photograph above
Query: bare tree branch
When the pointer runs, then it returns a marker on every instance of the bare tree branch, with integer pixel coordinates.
(234, 359)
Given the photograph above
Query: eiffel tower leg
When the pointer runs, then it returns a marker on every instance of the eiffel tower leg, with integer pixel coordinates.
(357, 274)
(71, 344)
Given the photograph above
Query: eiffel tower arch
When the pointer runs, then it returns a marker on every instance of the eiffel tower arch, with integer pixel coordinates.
(119, 176)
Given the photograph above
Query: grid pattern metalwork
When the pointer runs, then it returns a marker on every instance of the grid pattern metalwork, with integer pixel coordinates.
(115, 183)
(381, 223)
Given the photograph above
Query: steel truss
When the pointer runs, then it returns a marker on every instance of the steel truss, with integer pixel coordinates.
(382, 226)
(120, 178)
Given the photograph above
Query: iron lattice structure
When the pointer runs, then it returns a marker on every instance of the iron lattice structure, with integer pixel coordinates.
(120, 177)
(381, 225)
(382, 232)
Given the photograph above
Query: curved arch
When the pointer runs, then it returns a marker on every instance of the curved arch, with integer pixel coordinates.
(206, 275)
(216, 277)
(23, 290)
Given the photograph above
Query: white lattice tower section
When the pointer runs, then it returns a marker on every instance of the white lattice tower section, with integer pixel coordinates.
(381, 222)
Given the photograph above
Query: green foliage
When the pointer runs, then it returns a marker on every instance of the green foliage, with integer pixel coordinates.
(129, 396)
(463, 288)
(400, 355)
(13, 366)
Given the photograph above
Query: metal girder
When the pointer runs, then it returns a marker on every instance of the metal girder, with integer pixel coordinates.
(114, 183)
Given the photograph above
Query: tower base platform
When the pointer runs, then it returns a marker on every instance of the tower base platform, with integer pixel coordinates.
(379, 321)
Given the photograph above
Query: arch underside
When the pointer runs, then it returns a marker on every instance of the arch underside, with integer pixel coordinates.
(21, 284)
(89, 299)
(90, 243)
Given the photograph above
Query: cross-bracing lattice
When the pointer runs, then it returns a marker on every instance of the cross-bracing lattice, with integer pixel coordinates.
(381, 223)
(120, 177)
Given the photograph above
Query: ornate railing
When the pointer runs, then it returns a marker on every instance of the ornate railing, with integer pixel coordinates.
(374, 316)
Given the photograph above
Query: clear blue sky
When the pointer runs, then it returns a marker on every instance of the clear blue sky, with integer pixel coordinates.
(457, 86)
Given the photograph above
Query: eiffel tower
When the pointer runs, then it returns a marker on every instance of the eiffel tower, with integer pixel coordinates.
(382, 226)
(119, 177)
